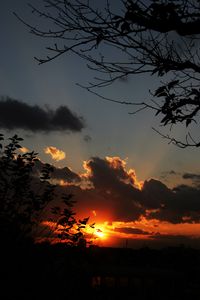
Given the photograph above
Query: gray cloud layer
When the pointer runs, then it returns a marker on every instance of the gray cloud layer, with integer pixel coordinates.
(15, 114)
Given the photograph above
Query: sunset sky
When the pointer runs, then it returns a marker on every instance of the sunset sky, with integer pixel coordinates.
(138, 188)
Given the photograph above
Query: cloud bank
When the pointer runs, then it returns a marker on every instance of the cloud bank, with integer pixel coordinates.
(114, 192)
(108, 191)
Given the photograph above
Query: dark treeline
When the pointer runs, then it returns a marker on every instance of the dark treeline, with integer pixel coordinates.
(44, 271)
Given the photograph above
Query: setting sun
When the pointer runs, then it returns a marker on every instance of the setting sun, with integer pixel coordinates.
(99, 233)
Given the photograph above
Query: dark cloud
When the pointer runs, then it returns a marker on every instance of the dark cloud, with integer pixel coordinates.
(111, 172)
(115, 185)
(15, 114)
(155, 194)
(192, 176)
(178, 205)
(129, 230)
(64, 174)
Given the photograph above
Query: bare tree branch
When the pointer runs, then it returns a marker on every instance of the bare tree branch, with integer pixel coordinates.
(159, 38)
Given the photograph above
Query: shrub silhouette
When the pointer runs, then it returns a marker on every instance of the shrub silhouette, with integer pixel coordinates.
(24, 197)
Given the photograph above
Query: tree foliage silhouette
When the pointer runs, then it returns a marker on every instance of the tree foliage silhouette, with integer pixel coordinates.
(159, 38)
(23, 198)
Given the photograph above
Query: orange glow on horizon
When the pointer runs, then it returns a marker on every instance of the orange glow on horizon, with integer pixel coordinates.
(106, 233)
(96, 234)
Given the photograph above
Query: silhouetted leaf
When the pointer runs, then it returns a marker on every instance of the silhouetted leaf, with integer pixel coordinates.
(125, 27)
(172, 84)
(161, 91)
(158, 111)
(188, 121)
(84, 221)
(92, 225)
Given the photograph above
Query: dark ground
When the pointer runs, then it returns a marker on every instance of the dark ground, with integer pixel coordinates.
(55, 272)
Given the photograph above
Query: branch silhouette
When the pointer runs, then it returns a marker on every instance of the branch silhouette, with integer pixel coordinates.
(159, 38)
